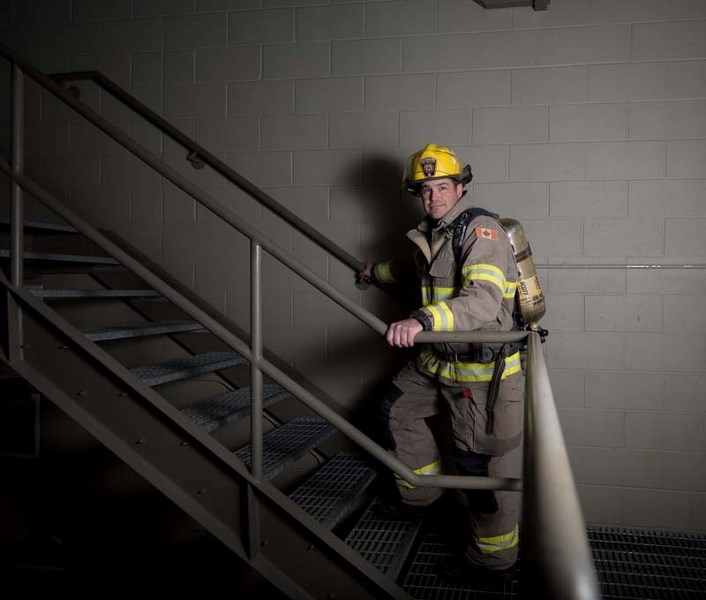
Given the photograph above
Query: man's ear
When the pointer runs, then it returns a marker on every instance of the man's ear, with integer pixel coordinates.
(459, 190)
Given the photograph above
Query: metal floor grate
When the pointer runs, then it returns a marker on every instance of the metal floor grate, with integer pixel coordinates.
(631, 564)
(634, 563)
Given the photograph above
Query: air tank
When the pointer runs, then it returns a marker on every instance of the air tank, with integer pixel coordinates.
(530, 297)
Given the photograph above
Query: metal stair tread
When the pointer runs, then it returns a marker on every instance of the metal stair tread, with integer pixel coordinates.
(421, 578)
(44, 225)
(93, 293)
(81, 258)
(385, 543)
(288, 443)
(182, 368)
(219, 411)
(120, 332)
(337, 489)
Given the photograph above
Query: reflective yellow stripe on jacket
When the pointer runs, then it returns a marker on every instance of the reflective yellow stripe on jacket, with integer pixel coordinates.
(442, 316)
(432, 469)
(466, 372)
(383, 272)
(498, 543)
(438, 294)
(491, 273)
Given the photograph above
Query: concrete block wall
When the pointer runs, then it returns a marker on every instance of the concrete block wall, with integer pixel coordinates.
(586, 121)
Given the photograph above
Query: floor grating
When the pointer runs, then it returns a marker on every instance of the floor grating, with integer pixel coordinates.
(631, 564)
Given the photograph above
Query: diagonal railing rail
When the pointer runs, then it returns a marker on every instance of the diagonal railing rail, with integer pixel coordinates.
(543, 474)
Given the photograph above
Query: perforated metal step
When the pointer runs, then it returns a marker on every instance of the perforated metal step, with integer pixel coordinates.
(337, 489)
(183, 368)
(287, 444)
(97, 293)
(219, 411)
(384, 543)
(101, 334)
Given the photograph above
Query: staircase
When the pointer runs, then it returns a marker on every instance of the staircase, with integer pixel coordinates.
(103, 523)
(86, 313)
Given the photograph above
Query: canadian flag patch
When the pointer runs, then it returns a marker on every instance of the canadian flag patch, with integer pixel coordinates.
(488, 234)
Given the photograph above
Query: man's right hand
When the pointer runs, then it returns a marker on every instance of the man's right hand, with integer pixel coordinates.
(401, 334)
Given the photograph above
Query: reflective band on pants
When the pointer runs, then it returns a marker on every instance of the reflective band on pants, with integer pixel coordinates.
(490, 545)
(432, 469)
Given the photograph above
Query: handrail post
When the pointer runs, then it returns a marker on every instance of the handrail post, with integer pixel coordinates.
(14, 312)
(17, 216)
(256, 351)
(252, 510)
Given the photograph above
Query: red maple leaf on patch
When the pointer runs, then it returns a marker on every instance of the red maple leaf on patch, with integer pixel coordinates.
(484, 232)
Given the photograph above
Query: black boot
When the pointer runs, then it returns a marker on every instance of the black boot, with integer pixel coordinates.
(461, 570)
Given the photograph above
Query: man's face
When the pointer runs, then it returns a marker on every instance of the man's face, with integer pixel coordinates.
(439, 196)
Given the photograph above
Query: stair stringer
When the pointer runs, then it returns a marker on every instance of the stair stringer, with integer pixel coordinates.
(252, 518)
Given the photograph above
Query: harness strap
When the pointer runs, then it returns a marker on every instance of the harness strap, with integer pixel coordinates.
(457, 229)
(493, 390)
(481, 353)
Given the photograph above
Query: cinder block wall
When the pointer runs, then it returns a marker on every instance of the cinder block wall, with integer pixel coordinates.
(586, 122)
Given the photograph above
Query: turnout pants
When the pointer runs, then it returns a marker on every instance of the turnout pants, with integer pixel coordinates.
(401, 422)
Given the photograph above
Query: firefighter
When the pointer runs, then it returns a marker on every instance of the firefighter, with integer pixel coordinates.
(465, 263)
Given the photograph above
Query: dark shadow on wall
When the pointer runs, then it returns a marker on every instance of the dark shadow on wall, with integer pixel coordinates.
(388, 211)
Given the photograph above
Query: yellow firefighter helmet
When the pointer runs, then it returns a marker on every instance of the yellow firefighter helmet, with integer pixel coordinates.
(433, 162)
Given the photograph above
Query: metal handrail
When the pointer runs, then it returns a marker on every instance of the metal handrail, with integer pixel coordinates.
(551, 513)
(578, 572)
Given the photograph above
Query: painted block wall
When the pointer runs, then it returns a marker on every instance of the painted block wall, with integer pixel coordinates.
(587, 122)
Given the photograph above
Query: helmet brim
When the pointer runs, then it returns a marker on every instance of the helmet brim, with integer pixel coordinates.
(414, 187)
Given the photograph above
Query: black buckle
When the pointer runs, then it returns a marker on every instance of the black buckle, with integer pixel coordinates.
(487, 354)
(483, 353)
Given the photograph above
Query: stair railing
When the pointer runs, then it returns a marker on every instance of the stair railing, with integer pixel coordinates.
(550, 506)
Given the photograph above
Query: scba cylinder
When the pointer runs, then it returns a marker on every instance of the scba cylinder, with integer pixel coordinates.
(530, 297)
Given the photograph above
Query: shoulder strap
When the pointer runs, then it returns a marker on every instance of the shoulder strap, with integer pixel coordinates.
(459, 226)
